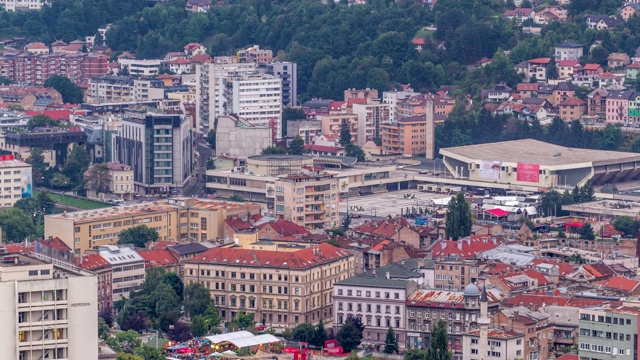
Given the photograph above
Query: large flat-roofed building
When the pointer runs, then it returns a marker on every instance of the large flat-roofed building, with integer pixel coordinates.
(48, 311)
(128, 269)
(191, 219)
(282, 289)
(533, 165)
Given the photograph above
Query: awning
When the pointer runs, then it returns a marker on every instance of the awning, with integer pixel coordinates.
(498, 212)
(216, 339)
(254, 341)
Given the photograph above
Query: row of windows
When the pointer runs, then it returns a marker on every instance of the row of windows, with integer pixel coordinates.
(387, 295)
(604, 349)
(605, 319)
(368, 308)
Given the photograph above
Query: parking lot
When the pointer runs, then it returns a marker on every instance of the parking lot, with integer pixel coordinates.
(385, 204)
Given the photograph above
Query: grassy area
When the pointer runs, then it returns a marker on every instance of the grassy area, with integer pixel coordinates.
(75, 202)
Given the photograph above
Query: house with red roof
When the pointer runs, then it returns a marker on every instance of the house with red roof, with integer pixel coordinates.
(201, 59)
(572, 109)
(535, 67)
(178, 66)
(192, 49)
(520, 14)
(519, 281)
(60, 115)
(280, 228)
(325, 150)
(591, 272)
(397, 229)
(160, 257)
(465, 248)
(592, 69)
(96, 264)
(536, 301)
(419, 43)
(620, 285)
(283, 287)
(37, 48)
(566, 68)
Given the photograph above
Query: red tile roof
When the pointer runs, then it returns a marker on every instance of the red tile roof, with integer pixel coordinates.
(238, 224)
(92, 262)
(37, 45)
(542, 280)
(180, 61)
(635, 65)
(524, 11)
(418, 41)
(620, 283)
(572, 63)
(465, 248)
(592, 67)
(607, 75)
(286, 228)
(324, 149)
(54, 114)
(573, 101)
(201, 58)
(336, 105)
(540, 300)
(356, 101)
(301, 259)
(539, 61)
(599, 270)
(157, 257)
(568, 357)
(163, 244)
(563, 267)
(527, 87)
(192, 46)
(497, 333)
(16, 248)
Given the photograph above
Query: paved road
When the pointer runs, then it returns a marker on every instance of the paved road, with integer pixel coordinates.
(196, 187)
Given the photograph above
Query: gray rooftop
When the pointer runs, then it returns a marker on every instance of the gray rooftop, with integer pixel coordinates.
(400, 274)
(537, 152)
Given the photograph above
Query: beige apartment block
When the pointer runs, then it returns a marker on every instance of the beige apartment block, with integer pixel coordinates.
(121, 181)
(190, 219)
(15, 181)
(309, 199)
(48, 312)
(281, 289)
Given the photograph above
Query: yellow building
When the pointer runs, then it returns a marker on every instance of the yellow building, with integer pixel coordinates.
(282, 289)
(192, 219)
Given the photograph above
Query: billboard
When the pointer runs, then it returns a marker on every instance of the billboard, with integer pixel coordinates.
(528, 172)
(27, 184)
(490, 169)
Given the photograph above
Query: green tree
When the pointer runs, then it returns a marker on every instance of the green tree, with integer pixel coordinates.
(125, 342)
(211, 316)
(552, 69)
(610, 137)
(635, 144)
(40, 121)
(273, 150)
(355, 151)
(211, 139)
(5, 81)
(165, 300)
(71, 93)
(97, 178)
(196, 299)
(303, 332)
(320, 335)
(586, 232)
(438, 344)
(587, 193)
(139, 236)
(626, 224)
(17, 225)
(149, 353)
(243, 321)
(76, 165)
(458, 218)
(198, 326)
(353, 356)
(36, 159)
(575, 259)
(296, 146)
(210, 164)
(174, 280)
(125, 356)
(349, 336)
(124, 71)
(391, 342)
(551, 203)
(598, 55)
(345, 133)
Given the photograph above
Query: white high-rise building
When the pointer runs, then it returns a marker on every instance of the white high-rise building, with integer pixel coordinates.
(256, 98)
(48, 311)
(209, 88)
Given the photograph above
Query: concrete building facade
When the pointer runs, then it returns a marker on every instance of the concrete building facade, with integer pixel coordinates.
(127, 268)
(370, 119)
(236, 136)
(159, 148)
(16, 179)
(256, 98)
(606, 334)
(48, 312)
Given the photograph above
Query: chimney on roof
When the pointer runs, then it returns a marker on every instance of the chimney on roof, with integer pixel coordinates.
(387, 275)
(374, 272)
(459, 244)
(443, 244)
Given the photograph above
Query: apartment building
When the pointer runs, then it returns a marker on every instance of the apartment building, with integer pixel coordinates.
(332, 123)
(501, 345)
(13, 5)
(49, 311)
(568, 51)
(121, 181)
(127, 266)
(392, 98)
(59, 141)
(459, 310)
(210, 89)
(282, 289)
(35, 69)
(454, 273)
(608, 333)
(407, 136)
(193, 219)
(378, 300)
(618, 106)
(102, 269)
(370, 119)
(256, 98)
(114, 89)
(16, 180)
(141, 68)
(288, 72)
(308, 130)
(309, 198)
(159, 148)
(254, 54)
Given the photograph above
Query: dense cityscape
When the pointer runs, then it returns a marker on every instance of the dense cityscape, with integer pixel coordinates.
(320, 180)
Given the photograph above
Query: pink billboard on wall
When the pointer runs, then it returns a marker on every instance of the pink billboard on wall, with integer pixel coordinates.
(528, 172)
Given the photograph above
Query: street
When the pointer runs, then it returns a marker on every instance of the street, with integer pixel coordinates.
(197, 184)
